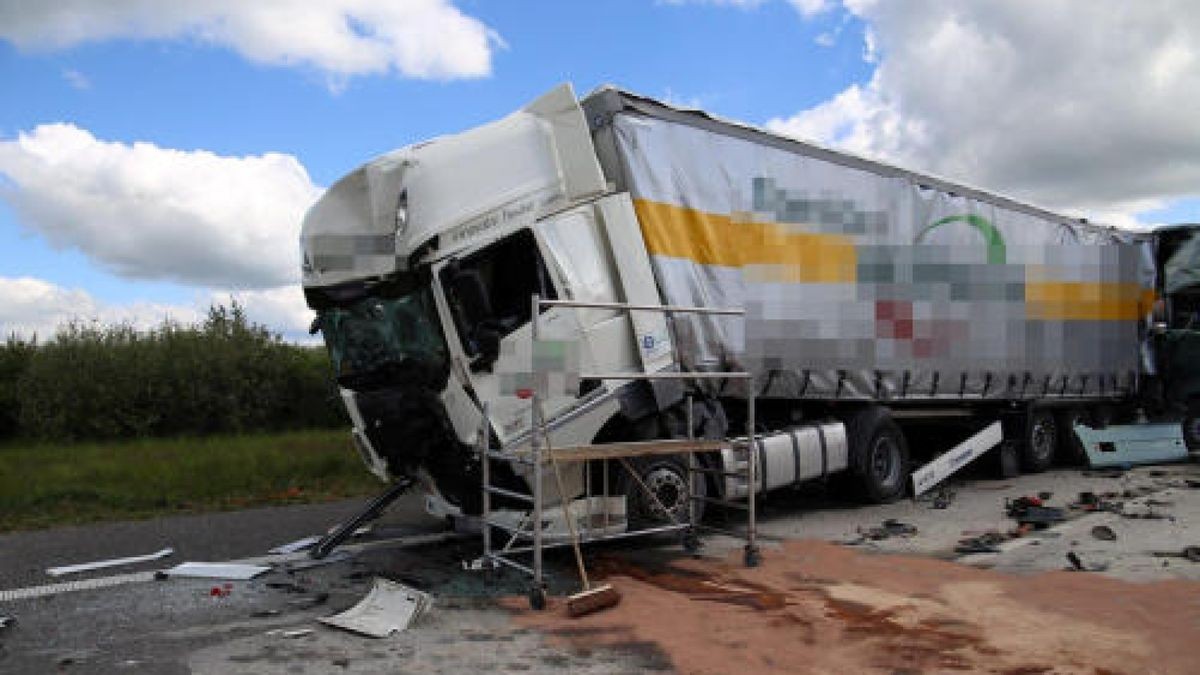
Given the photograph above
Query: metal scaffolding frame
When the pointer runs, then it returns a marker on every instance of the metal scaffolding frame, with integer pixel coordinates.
(527, 538)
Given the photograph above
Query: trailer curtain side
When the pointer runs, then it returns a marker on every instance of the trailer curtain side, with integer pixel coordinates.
(863, 281)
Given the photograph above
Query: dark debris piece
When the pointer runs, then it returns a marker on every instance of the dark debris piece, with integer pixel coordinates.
(1030, 510)
(1191, 553)
(890, 528)
(1078, 566)
(988, 542)
(1104, 533)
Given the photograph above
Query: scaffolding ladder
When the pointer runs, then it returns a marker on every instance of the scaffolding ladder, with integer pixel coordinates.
(527, 536)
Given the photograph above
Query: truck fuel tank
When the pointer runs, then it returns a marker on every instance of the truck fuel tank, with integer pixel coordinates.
(789, 457)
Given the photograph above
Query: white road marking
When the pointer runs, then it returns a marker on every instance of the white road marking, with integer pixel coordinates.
(69, 586)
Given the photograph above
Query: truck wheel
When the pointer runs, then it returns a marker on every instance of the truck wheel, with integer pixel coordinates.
(1068, 443)
(878, 455)
(1040, 442)
(1191, 430)
(667, 478)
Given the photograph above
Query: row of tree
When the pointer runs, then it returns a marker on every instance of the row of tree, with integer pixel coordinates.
(223, 375)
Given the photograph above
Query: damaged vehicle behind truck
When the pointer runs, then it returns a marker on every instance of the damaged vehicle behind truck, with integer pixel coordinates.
(874, 296)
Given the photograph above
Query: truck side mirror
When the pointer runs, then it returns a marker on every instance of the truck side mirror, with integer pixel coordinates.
(315, 326)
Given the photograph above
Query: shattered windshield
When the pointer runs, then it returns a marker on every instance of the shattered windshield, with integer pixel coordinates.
(378, 340)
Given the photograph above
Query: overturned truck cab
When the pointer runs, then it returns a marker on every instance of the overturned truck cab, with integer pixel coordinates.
(421, 265)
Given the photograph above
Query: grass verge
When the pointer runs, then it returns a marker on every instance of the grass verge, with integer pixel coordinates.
(48, 485)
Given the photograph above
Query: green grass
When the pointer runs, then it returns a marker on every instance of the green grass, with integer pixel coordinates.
(47, 485)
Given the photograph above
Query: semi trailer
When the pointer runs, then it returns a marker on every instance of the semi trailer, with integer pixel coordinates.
(875, 298)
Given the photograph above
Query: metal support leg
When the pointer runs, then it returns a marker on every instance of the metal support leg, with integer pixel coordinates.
(372, 511)
(691, 539)
(483, 445)
(752, 553)
(537, 594)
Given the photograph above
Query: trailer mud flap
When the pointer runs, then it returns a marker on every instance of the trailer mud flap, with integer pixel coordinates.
(1130, 444)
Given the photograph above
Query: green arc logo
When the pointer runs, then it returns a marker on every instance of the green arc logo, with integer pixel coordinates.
(996, 251)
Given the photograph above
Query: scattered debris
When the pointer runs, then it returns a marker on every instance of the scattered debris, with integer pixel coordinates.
(298, 545)
(299, 632)
(263, 613)
(1150, 514)
(293, 567)
(1104, 533)
(941, 500)
(1032, 511)
(988, 542)
(1078, 566)
(1191, 553)
(288, 586)
(310, 602)
(890, 528)
(1112, 472)
(7, 622)
(388, 608)
(204, 570)
(101, 564)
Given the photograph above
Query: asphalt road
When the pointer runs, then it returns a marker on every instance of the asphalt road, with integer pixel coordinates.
(178, 626)
(25, 556)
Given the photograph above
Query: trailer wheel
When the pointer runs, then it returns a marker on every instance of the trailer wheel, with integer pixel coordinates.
(667, 478)
(1069, 445)
(1040, 443)
(878, 455)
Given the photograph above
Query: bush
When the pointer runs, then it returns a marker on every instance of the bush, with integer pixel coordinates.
(14, 359)
(225, 375)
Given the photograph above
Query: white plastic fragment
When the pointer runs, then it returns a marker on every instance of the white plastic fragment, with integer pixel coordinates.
(388, 608)
(205, 570)
(101, 564)
(298, 545)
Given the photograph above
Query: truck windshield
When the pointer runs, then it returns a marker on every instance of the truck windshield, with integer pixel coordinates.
(380, 341)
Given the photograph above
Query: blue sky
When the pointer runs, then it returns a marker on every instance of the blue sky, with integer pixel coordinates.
(914, 83)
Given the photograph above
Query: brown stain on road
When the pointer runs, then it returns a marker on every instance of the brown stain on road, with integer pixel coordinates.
(819, 607)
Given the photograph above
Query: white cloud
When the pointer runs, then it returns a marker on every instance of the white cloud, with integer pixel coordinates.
(1089, 107)
(31, 306)
(416, 38)
(76, 79)
(809, 8)
(282, 309)
(143, 211)
(806, 8)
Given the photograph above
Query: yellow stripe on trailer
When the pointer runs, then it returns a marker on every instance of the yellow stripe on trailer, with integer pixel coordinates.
(719, 239)
(1086, 301)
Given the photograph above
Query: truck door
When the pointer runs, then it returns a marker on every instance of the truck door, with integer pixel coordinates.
(487, 294)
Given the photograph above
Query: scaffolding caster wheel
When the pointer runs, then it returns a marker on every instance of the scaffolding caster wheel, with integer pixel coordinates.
(691, 542)
(537, 598)
(752, 558)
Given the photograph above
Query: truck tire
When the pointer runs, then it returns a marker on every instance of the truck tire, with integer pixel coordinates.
(878, 455)
(1070, 449)
(1040, 442)
(666, 476)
